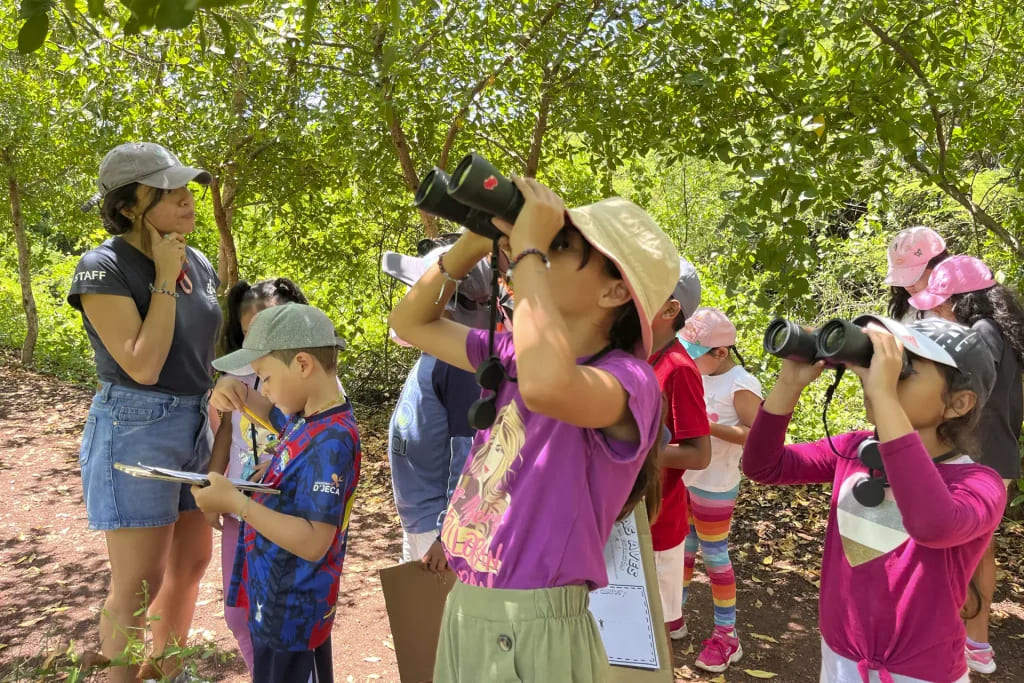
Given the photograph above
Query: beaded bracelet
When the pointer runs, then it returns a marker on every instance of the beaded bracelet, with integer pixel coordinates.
(161, 290)
(523, 254)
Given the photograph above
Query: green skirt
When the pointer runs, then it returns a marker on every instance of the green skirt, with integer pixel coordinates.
(507, 636)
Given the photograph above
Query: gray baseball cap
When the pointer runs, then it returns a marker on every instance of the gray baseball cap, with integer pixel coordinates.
(688, 290)
(947, 343)
(289, 326)
(146, 163)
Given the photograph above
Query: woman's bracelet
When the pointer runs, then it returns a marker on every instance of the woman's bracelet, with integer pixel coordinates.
(161, 290)
(523, 254)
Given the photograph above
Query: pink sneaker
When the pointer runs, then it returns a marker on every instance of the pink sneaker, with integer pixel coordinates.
(983, 660)
(677, 629)
(721, 650)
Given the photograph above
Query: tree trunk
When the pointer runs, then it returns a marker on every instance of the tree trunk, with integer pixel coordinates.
(28, 301)
(224, 213)
(533, 159)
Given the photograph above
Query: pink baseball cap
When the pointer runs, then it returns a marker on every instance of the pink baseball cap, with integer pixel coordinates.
(909, 253)
(708, 328)
(955, 275)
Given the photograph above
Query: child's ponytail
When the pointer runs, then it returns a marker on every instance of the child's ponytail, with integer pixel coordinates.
(264, 292)
(232, 337)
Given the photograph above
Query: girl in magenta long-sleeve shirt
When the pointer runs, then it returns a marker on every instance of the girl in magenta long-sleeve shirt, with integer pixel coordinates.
(895, 576)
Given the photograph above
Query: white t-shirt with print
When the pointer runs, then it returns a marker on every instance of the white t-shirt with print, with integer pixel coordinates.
(723, 473)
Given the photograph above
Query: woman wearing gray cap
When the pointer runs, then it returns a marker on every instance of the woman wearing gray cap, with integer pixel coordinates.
(149, 306)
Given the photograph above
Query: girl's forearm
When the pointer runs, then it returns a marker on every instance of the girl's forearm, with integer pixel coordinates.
(544, 356)
(427, 299)
(221, 451)
(736, 434)
(783, 398)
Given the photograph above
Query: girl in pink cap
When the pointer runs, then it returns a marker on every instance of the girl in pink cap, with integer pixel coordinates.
(913, 254)
(963, 290)
(732, 397)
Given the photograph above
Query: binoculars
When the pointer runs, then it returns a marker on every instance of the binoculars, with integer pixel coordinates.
(838, 342)
(471, 196)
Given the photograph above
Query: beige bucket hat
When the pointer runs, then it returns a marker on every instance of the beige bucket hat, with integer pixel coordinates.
(643, 253)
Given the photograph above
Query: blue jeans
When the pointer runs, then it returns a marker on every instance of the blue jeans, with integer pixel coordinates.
(130, 426)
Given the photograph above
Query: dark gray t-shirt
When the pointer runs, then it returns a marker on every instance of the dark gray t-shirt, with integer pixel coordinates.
(116, 267)
(999, 429)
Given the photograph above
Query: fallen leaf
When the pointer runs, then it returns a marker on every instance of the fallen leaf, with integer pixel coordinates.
(718, 679)
(31, 622)
(761, 636)
(757, 673)
(767, 560)
(389, 645)
(371, 660)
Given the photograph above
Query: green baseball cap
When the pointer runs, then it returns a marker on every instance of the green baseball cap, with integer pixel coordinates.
(290, 326)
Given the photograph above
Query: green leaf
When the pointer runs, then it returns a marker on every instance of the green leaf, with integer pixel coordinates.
(225, 32)
(33, 33)
(174, 15)
(96, 9)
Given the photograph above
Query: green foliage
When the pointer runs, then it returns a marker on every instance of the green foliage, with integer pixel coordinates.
(781, 145)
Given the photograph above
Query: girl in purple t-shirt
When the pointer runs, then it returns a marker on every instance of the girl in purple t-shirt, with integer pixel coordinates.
(911, 512)
(576, 418)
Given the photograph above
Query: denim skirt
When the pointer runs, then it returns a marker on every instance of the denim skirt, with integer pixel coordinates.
(132, 426)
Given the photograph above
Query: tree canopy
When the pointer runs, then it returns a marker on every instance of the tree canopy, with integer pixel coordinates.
(780, 143)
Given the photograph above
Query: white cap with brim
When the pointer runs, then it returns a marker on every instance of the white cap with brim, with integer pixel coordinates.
(146, 163)
(278, 328)
(645, 256)
(475, 289)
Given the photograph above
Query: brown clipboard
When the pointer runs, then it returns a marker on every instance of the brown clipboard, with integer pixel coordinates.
(414, 597)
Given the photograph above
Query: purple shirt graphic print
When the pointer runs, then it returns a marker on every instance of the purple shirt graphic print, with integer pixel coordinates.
(538, 497)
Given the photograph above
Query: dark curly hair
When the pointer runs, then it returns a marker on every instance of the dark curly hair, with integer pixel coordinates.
(263, 293)
(999, 304)
(899, 297)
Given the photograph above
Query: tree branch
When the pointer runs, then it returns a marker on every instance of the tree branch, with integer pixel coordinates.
(915, 66)
(453, 127)
(978, 213)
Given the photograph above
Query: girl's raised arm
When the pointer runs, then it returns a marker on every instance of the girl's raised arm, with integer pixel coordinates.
(417, 318)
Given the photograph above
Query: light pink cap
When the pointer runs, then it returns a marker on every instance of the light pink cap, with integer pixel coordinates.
(909, 253)
(955, 275)
(709, 327)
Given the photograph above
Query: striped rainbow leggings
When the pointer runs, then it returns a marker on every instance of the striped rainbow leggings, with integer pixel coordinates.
(710, 516)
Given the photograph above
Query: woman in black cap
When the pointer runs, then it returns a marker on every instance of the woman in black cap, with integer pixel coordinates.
(149, 306)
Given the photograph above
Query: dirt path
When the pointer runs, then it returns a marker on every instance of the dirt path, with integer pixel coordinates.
(54, 573)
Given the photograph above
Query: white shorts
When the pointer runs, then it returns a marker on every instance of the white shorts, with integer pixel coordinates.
(836, 668)
(669, 565)
(415, 546)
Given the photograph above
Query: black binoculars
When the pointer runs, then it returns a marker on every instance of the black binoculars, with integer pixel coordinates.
(838, 342)
(470, 196)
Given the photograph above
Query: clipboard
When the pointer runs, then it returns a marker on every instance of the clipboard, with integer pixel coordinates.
(663, 674)
(190, 478)
(414, 597)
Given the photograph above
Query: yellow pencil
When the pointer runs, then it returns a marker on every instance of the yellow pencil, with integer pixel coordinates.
(258, 420)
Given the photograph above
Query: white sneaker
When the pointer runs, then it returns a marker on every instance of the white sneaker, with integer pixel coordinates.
(982, 661)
